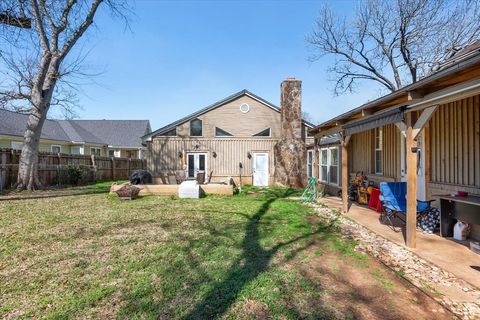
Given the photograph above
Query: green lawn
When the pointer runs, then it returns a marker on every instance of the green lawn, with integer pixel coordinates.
(257, 255)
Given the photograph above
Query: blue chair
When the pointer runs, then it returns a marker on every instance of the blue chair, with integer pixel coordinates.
(393, 196)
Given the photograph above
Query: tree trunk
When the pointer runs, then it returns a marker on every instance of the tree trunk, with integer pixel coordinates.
(28, 165)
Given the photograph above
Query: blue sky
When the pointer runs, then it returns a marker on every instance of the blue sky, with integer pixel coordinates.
(183, 55)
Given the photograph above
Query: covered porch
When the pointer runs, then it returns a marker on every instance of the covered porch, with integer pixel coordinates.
(450, 256)
(426, 135)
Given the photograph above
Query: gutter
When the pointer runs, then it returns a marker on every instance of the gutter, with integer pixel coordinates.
(426, 80)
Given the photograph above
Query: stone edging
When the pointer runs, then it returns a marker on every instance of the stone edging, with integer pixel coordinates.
(422, 274)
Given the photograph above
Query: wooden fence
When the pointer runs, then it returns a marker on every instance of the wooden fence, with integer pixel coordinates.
(53, 168)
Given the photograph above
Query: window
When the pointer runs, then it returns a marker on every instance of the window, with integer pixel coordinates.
(17, 145)
(196, 128)
(56, 148)
(77, 150)
(378, 150)
(244, 107)
(324, 165)
(333, 166)
(329, 162)
(114, 153)
(263, 133)
(309, 163)
(171, 133)
(131, 154)
(95, 151)
(222, 133)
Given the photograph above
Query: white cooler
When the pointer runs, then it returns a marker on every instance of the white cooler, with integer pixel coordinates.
(189, 189)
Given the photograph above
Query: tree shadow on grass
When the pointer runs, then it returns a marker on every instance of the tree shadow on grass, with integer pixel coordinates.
(253, 261)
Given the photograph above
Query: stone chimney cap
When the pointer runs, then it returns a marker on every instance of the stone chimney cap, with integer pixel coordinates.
(291, 78)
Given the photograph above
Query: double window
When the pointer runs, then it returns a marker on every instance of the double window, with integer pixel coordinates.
(56, 148)
(95, 151)
(17, 145)
(329, 165)
(76, 150)
(114, 153)
(378, 150)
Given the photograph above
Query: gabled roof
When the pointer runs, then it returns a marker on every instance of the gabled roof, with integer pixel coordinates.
(115, 133)
(213, 106)
(14, 124)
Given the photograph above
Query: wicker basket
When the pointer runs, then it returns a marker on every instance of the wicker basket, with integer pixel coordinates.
(128, 192)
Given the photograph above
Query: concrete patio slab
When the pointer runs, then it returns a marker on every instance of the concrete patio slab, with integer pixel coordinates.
(449, 255)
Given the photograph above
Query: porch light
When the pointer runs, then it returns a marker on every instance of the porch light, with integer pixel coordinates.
(180, 154)
(214, 154)
(249, 155)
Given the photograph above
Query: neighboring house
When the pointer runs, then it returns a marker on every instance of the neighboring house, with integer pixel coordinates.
(233, 137)
(111, 138)
(427, 134)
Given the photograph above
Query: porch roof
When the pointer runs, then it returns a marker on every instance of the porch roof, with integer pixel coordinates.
(459, 71)
(376, 120)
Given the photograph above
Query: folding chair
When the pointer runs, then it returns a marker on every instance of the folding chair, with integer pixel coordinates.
(393, 196)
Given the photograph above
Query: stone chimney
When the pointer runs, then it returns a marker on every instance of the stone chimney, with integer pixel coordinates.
(290, 151)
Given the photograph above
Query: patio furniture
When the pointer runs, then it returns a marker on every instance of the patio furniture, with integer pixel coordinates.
(201, 177)
(209, 177)
(172, 178)
(393, 196)
(180, 176)
(163, 178)
(374, 203)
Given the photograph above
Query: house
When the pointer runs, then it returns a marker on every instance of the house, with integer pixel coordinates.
(112, 138)
(427, 134)
(234, 137)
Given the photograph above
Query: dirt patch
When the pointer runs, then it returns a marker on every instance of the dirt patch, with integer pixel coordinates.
(364, 289)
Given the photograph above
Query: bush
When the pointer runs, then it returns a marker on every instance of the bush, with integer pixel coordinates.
(75, 174)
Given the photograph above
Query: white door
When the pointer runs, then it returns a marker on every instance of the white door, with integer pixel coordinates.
(196, 162)
(260, 169)
(421, 194)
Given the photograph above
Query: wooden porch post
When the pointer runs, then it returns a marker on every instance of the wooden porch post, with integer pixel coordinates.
(411, 168)
(345, 177)
(316, 171)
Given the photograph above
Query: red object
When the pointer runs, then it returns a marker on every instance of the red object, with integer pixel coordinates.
(462, 193)
(375, 203)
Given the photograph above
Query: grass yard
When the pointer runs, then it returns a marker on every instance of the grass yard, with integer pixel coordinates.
(259, 255)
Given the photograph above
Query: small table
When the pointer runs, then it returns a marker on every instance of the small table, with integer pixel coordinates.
(466, 209)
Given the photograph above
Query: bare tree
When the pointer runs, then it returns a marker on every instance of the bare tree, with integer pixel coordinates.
(36, 42)
(393, 43)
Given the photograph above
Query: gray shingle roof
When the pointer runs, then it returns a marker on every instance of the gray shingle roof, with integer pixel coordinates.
(14, 124)
(117, 133)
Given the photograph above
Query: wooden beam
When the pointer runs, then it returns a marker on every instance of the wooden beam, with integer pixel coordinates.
(345, 176)
(329, 132)
(402, 127)
(411, 184)
(316, 157)
(423, 119)
(413, 95)
(366, 112)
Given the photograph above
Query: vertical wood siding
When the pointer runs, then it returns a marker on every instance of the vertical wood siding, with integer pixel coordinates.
(362, 152)
(230, 152)
(455, 143)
